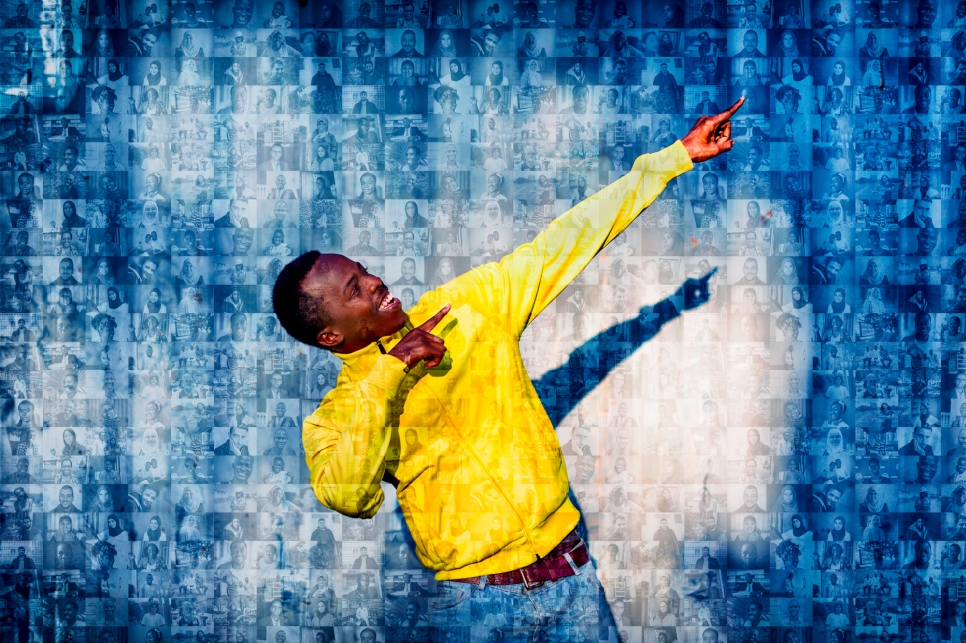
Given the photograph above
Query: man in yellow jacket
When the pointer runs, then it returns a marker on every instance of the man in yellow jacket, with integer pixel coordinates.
(450, 370)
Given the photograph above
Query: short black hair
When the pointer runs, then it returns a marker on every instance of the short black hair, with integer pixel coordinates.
(300, 314)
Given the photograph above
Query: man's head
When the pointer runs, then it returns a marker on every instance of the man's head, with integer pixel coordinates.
(280, 438)
(833, 39)
(407, 42)
(833, 496)
(749, 554)
(239, 552)
(584, 12)
(242, 467)
(66, 498)
(750, 40)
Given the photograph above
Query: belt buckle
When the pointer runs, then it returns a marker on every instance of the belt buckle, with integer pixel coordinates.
(577, 545)
(526, 581)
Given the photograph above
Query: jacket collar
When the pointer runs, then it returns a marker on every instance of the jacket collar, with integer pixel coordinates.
(364, 358)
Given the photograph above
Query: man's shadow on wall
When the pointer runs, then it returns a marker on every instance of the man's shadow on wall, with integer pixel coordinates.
(563, 388)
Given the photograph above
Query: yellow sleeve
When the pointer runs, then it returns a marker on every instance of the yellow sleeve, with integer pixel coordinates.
(347, 437)
(524, 282)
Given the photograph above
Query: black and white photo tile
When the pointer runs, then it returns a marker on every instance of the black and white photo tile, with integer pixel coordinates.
(784, 464)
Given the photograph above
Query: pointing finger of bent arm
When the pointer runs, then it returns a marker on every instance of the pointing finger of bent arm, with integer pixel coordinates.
(430, 323)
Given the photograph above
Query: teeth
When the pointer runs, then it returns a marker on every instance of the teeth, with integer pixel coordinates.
(386, 302)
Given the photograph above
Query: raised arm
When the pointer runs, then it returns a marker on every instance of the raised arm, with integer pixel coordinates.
(523, 283)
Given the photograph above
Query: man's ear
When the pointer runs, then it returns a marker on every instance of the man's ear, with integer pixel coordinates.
(329, 338)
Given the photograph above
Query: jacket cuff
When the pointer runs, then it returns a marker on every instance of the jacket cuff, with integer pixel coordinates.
(671, 161)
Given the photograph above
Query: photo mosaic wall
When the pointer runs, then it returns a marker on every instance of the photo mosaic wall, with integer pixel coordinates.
(786, 463)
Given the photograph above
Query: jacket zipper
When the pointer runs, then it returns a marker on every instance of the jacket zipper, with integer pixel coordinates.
(479, 461)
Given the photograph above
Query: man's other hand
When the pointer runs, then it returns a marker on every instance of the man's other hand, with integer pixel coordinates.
(711, 135)
(696, 291)
(420, 344)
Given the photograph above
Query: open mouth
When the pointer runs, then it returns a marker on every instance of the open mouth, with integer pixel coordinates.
(389, 303)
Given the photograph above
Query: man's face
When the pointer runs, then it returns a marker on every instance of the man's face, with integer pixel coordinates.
(243, 241)
(927, 12)
(920, 210)
(490, 41)
(280, 209)
(833, 269)
(750, 270)
(239, 554)
(747, 554)
(242, 11)
(408, 269)
(405, 102)
(833, 497)
(281, 437)
(242, 467)
(750, 40)
(584, 13)
(926, 466)
(238, 327)
(407, 41)
(66, 498)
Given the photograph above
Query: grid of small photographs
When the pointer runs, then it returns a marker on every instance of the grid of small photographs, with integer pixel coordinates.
(786, 463)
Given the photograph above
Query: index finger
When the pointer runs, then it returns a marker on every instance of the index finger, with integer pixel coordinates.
(728, 113)
(430, 323)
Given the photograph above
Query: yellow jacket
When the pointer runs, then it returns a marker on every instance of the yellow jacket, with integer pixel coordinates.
(475, 460)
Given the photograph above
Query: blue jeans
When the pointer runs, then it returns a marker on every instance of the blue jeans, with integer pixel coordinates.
(570, 609)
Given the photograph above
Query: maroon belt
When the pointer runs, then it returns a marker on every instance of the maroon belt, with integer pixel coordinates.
(562, 561)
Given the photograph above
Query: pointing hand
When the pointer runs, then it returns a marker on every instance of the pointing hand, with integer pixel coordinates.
(711, 135)
(420, 344)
